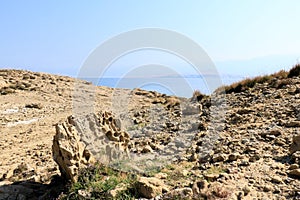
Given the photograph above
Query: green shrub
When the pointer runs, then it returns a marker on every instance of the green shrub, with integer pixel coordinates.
(98, 180)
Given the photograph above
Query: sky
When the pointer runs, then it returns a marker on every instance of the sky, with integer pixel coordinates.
(242, 38)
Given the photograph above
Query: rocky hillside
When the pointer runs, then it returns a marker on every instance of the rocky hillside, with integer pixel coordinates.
(242, 145)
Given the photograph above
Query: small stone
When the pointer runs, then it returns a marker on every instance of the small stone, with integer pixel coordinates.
(295, 172)
(182, 193)
(233, 157)
(268, 188)
(254, 158)
(34, 105)
(147, 149)
(84, 194)
(219, 157)
(295, 145)
(185, 173)
(244, 163)
(114, 192)
(246, 190)
(293, 166)
(211, 177)
(150, 187)
(276, 179)
(161, 175)
(293, 124)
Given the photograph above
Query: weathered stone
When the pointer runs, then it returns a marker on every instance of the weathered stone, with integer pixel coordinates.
(219, 157)
(233, 157)
(182, 193)
(69, 152)
(114, 192)
(79, 139)
(295, 145)
(276, 179)
(150, 187)
(295, 172)
(294, 166)
(293, 124)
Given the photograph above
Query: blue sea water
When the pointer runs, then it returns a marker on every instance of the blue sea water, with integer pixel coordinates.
(178, 86)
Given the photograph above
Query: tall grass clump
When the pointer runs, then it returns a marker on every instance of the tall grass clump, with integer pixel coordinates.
(295, 71)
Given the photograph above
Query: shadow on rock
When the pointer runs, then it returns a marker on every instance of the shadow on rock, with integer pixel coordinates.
(32, 190)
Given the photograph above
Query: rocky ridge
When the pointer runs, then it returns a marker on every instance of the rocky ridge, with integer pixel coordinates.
(251, 151)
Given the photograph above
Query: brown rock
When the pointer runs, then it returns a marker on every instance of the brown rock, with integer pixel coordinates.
(182, 193)
(295, 172)
(293, 124)
(295, 145)
(69, 152)
(150, 187)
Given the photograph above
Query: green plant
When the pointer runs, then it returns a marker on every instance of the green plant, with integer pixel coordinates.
(215, 170)
(98, 180)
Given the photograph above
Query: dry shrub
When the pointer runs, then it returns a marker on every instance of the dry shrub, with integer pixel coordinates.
(295, 71)
(218, 191)
(248, 83)
(197, 96)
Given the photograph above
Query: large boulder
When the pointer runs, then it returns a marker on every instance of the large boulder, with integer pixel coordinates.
(81, 140)
(69, 152)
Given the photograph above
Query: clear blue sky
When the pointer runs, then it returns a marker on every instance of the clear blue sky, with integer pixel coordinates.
(248, 37)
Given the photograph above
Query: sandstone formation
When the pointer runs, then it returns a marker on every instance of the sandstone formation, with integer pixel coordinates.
(81, 138)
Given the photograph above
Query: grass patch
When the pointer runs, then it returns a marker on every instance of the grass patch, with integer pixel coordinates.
(249, 83)
(98, 181)
(215, 170)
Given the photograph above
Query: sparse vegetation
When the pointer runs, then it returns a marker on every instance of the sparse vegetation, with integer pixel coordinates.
(197, 96)
(97, 181)
(248, 83)
(295, 71)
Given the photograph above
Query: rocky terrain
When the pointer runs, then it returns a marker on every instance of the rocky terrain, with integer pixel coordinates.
(244, 144)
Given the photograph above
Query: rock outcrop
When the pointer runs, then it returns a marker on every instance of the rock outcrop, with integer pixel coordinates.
(69, 152)
(82, 139)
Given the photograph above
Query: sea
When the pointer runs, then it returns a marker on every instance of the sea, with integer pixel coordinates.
(177, 86)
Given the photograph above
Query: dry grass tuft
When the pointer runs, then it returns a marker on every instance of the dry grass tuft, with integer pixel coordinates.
(295, 71)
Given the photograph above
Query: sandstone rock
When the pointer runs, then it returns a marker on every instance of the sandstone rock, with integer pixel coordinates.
(219, 157)
(268, 188)
(150, 187)
(276, 179)
(81, 138)
(294, 166)
(211, 177)
(293, 124)
(295, 145)
(114, 192)
(69, 152)
(182, 193)
(233, 156)
(295, 172)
